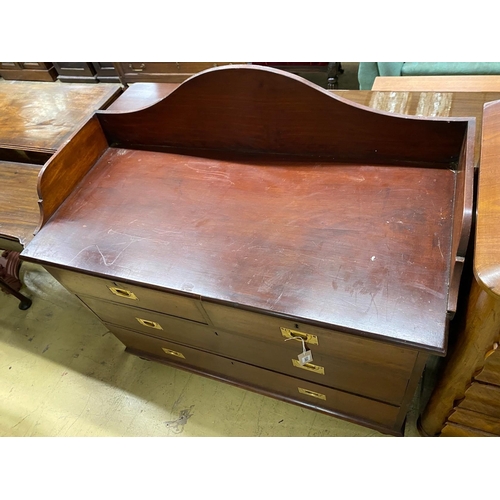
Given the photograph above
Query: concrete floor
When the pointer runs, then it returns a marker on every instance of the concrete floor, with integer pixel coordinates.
(64, 374)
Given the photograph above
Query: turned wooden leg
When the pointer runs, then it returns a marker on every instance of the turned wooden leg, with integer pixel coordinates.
(24, 304)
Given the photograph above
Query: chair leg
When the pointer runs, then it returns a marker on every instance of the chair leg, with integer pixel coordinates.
(334, 70)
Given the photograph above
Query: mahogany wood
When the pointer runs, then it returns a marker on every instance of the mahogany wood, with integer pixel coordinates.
(338, 403)
(323, 214)
(357, 367)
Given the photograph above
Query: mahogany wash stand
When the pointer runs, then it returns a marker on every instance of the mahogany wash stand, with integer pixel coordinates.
(251, 215)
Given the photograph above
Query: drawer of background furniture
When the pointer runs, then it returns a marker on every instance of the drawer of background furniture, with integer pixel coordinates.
(133, 295)
(167, 67)
(375, 354)
(382, 382)
(308, 394)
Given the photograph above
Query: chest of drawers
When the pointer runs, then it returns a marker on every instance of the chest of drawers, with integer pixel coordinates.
(251, 216)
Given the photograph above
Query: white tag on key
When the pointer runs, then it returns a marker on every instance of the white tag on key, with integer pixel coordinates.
(305, 357)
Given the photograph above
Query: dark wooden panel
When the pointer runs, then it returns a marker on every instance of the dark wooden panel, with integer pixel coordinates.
(106, 72)
(39, 116)
(295, 250)
(338, 403)
(356, 371)
(62, 172)
(32, 71)
(169, 72)
(19, 211)
(476, 420)
(330, 342)
(128, 294)
(482, 398)
(245, 108)
(71, 72)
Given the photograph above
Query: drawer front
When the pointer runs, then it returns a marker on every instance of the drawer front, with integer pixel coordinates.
(383, 383)
(308, 394)
(374, 354)
(123, 293)
(168, 67)
(74, 68)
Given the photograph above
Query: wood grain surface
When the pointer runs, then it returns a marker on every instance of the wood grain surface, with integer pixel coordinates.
(19, 211)
(487, 249)
(265, 232)
(40, 116)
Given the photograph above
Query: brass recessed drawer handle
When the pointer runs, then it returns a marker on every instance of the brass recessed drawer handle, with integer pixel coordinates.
(307, 337)
(320, 370)
(149, 323)
(173, 353)
(121, 292)
(313, 394)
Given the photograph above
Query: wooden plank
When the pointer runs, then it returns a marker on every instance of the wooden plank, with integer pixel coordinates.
(490, 373)
(445, 83)
(482, 398)
(244, 108)
(41, 116)
(141, 95)
(65, 170)
(19, 211)
(455, 430)
(475, 420)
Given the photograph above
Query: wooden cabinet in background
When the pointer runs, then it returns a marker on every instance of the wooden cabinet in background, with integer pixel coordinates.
(86, 72)
(168, 72)
(34, 71)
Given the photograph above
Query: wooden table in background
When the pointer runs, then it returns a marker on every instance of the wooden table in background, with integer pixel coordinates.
(36, 120)
(465, 83)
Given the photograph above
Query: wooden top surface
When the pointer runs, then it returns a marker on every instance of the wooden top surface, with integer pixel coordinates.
(356, 246)
(487, 247)
(40, 116)
(445, 83)
(19, 211)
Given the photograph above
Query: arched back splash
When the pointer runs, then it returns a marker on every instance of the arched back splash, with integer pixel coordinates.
(261, 110)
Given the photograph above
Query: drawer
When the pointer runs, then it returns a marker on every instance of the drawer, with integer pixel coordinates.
(383, 383)
(313, 396)
(374, 354)
(124, 293)
(168, 67)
